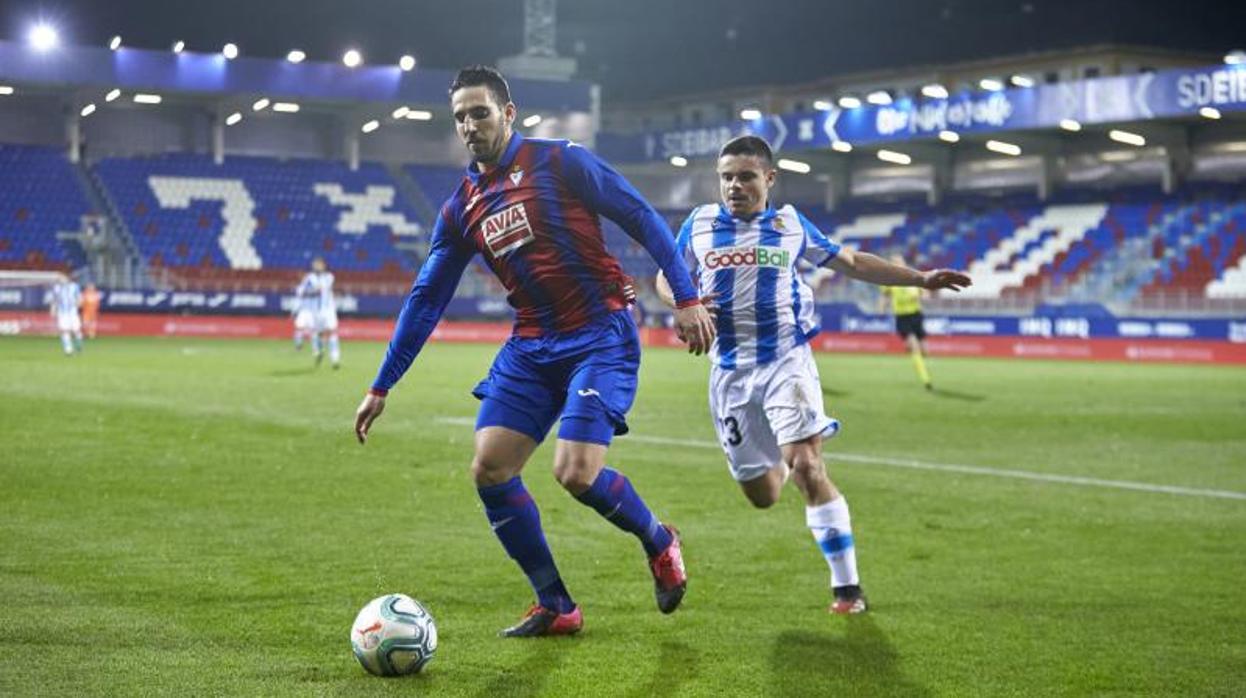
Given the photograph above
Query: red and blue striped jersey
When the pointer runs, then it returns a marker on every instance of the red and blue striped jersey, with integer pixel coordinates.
(534, 220)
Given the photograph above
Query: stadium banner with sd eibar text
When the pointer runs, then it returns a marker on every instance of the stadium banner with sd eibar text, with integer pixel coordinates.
(1141, 97)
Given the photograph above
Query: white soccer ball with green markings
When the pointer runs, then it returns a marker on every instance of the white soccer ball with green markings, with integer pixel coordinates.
(394, 635)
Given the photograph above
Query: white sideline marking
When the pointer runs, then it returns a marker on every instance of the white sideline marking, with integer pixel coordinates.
(947, 468)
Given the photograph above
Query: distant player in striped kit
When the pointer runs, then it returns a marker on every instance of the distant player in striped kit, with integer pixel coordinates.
(765, 395)
(530, 208)
(317, 291)
(64, 300)
(906, 306)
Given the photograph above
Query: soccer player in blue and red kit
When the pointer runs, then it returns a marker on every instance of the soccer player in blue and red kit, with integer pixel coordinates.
(530, 207)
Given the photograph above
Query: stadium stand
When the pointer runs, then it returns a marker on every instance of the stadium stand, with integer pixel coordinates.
(40, 196)
(257, 222)
(1129, 246)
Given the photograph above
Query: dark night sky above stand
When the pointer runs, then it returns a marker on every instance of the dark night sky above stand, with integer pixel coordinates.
(644, 49)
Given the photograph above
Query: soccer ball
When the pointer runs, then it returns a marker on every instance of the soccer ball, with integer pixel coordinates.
(394, 635)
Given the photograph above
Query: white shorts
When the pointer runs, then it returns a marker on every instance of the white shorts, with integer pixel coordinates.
(757, 410)
(304, 320)
(326, 321)
(68, 322)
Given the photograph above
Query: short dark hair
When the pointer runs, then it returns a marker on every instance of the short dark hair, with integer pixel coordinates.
(748, 145)
(476, 75)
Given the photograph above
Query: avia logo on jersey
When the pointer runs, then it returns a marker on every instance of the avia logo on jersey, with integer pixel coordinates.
(507, 230)
(733, 257)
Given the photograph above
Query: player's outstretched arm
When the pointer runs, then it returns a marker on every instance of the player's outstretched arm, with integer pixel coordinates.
(371, 408)
(873, 269)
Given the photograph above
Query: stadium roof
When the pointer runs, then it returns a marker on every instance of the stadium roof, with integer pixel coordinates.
(693, 45)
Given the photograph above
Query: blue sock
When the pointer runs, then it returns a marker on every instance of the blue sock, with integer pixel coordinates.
(611, 494)
(517, 524)
(315, 344)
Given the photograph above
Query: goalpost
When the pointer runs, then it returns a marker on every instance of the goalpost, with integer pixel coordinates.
(24, 298)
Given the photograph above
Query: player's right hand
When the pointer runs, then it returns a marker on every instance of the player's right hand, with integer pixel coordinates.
(371, 408)
(695, 326)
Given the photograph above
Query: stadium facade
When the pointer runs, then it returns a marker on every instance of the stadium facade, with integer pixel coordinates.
(1092, 194)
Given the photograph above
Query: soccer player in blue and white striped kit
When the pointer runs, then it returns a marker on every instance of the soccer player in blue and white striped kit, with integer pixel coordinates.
(765, 395)
(64, 300)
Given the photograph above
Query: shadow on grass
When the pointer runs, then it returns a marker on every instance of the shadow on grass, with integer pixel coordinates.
(828, 391)
(289, 372)
(678, 664)
(859, 662)
(956, 395)
(525, 678)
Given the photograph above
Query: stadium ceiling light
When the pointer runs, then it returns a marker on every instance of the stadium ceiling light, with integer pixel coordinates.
(532, 121)
(841, 147)
(1117, 156)
(935, 91)
(1235, 57)
(286, 107)
(794, 166)
(1209, 113)
(1127, 137)
(1070, 124)
(401, 112)
(43, 37)
(407, 63)
(178, 46)
(260, 104)
(142, 98)
(894, 157)
(949, 136)
(679, 161)
(879, 97)
(1003, 148)
(233, 118)
(6, 90)
(230, 51)
(822, 105)
(115, 43)
(1022, 81)
(849, 102)
(750, 114)
(420, 115)
(352, 58)
(991, 84)
(296, 56)
(88, 110)
(370, 126)
(112, 94)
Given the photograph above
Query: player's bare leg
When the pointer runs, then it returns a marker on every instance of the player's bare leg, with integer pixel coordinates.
(581, 468)
(764, 492)
(826, 514)
(499, 458)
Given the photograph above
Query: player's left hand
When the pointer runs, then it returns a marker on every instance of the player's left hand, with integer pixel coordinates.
(940, 279)
(371, 408)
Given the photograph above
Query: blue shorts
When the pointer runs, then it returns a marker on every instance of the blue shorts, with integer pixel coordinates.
(588, 377)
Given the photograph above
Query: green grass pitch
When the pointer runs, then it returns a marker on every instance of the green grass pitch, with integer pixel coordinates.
(187, 517)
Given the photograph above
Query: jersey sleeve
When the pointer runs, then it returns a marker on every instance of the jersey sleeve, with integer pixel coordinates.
(433, 289)
(817, 248)
(609, 194)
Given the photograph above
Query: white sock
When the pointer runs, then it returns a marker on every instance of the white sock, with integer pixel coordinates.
(832, 529)
(335, 349)
(315, 344)
(67, 343)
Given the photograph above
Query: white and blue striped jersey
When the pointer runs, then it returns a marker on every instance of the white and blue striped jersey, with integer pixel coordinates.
(315, 292)
(65, 298)
(764, 306)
